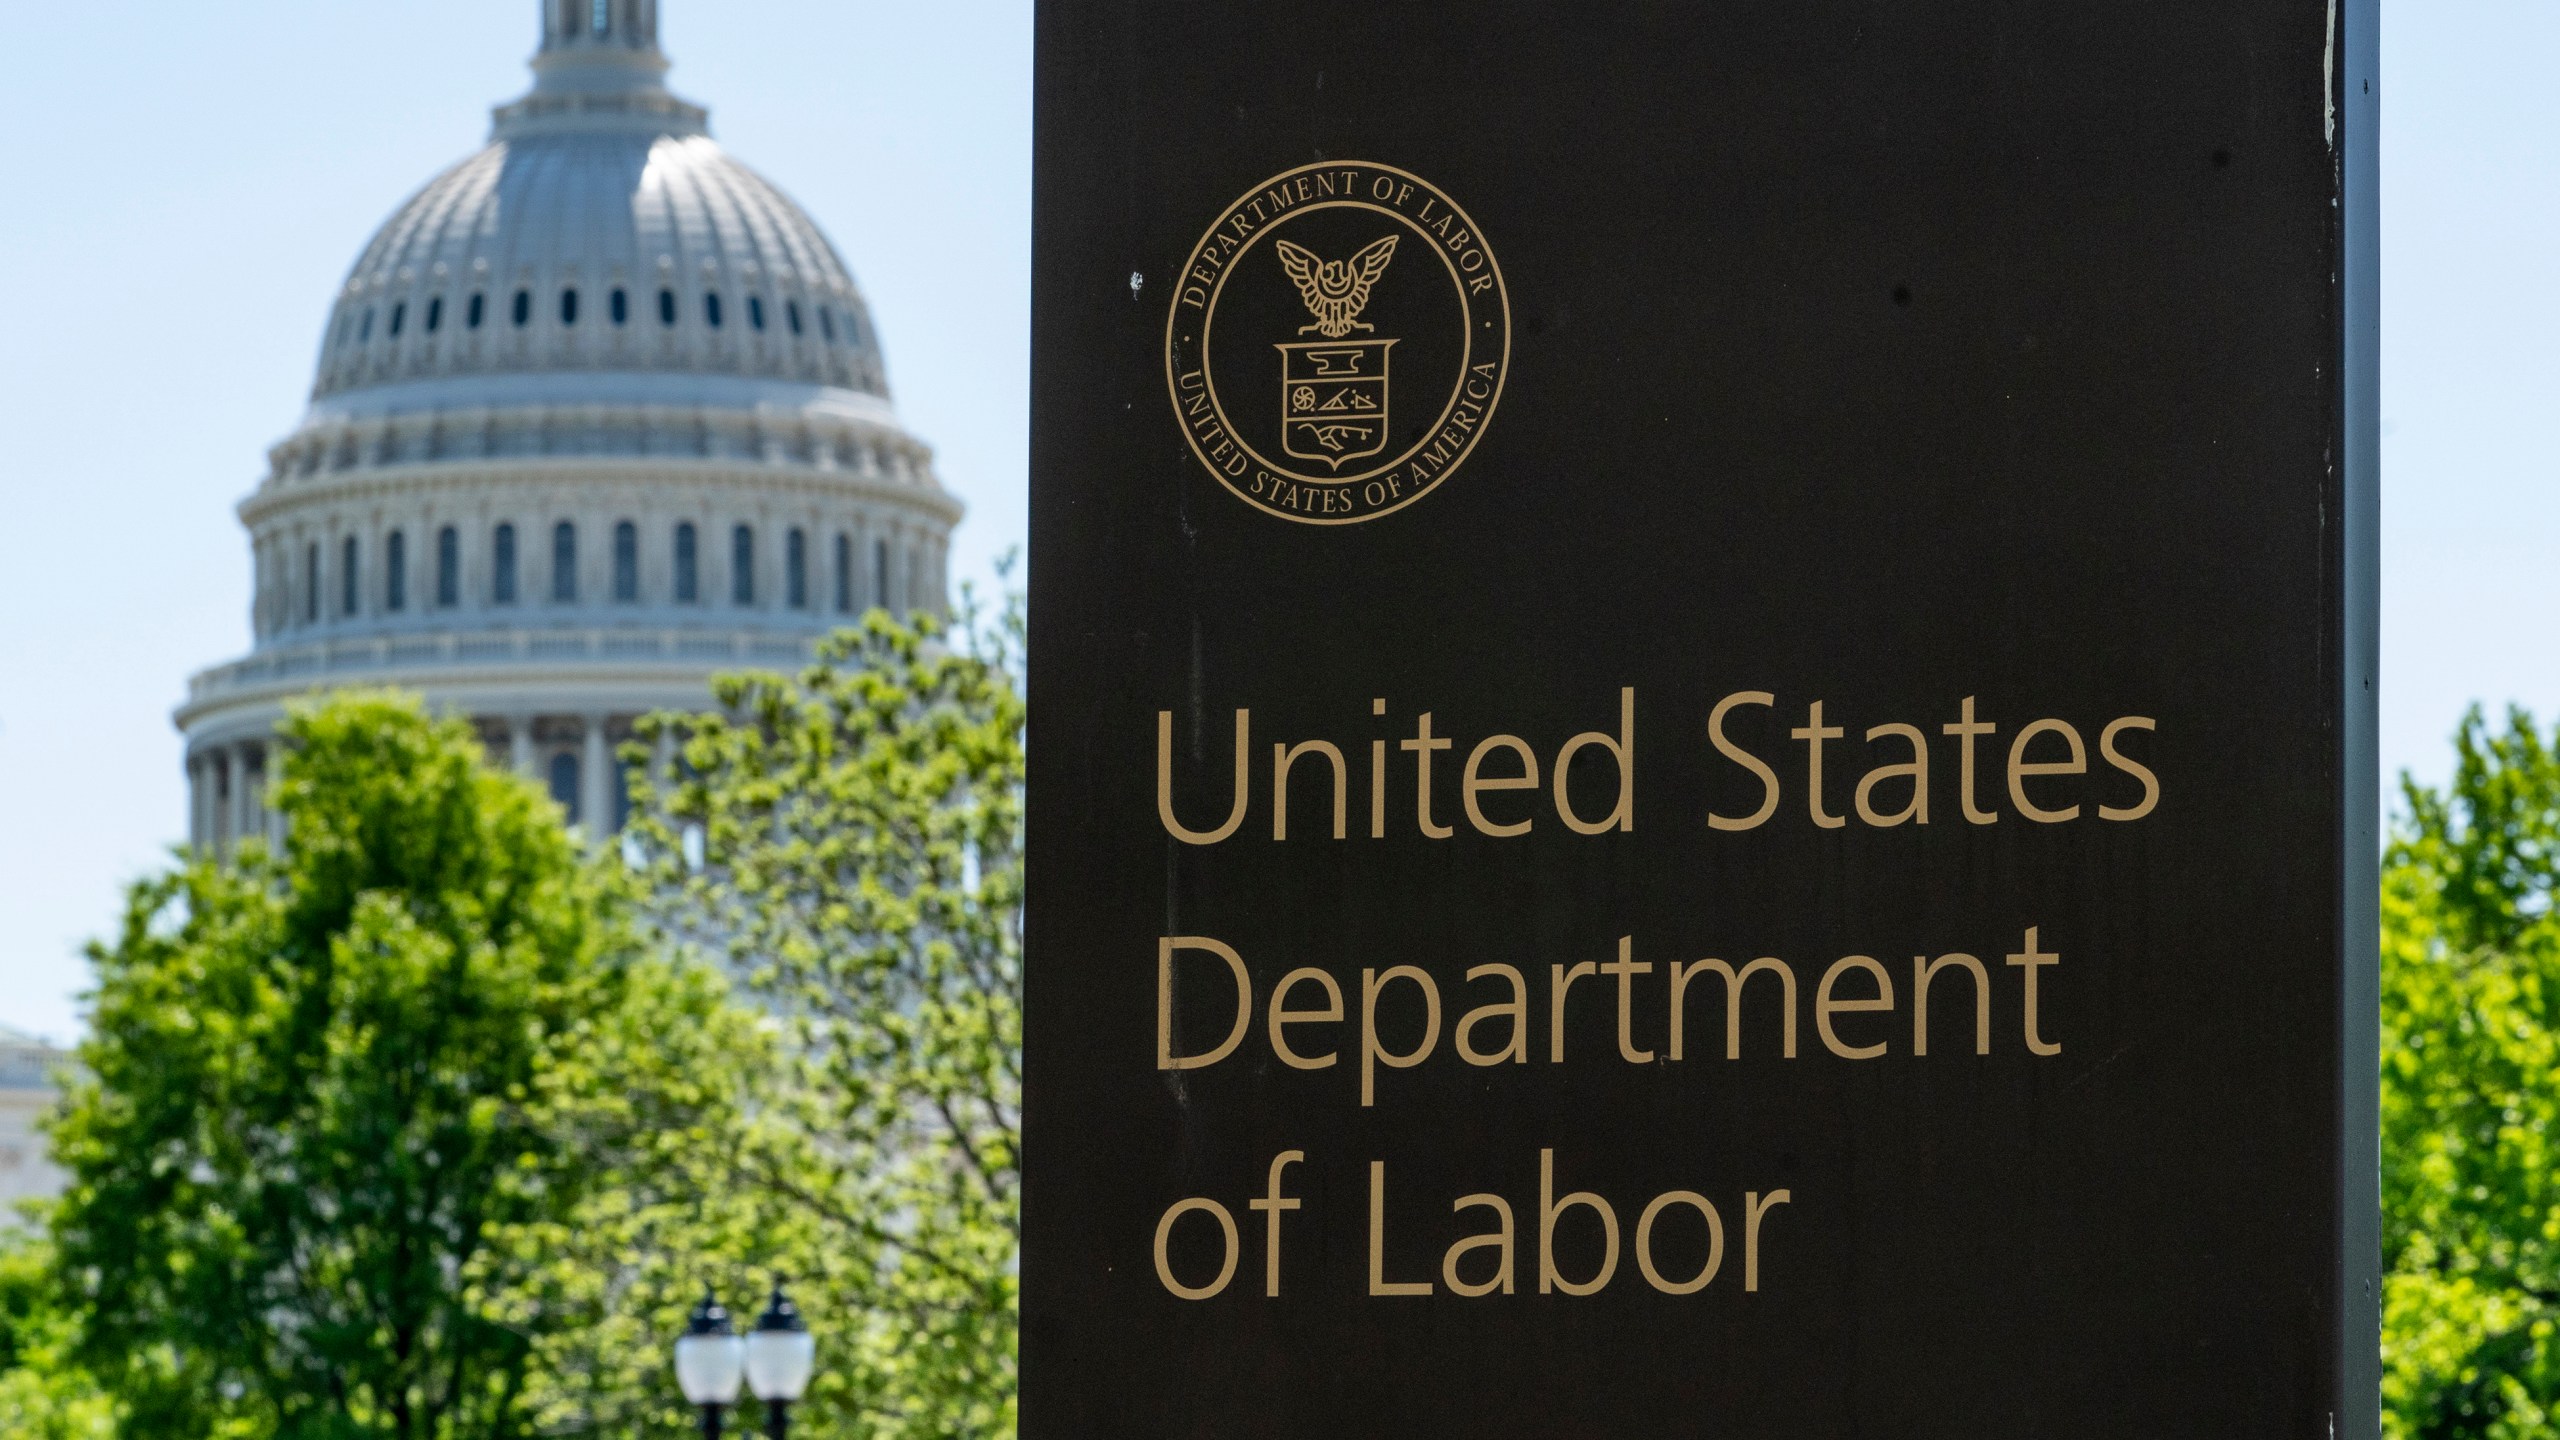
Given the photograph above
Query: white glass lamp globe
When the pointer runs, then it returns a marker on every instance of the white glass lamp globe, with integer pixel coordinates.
(710, 1357)
(781, 1352)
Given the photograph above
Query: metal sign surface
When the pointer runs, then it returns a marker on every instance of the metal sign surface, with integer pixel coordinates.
(1702, 757)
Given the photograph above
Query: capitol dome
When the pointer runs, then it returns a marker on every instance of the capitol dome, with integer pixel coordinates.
(570, 229)
(599, 412)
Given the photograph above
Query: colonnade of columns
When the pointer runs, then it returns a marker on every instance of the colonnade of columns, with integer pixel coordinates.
(536, 745)
(227, 797)
(227, 783)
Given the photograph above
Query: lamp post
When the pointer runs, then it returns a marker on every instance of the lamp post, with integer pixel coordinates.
(710, 1360)
(780, 1353)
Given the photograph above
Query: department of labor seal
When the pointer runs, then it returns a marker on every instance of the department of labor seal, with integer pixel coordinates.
(1337, 342)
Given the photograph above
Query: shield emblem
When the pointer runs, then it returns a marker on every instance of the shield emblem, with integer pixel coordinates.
(1333, 399)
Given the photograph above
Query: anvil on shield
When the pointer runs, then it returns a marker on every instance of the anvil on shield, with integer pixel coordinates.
(1333, 399)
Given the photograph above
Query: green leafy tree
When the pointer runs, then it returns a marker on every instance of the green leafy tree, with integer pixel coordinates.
(318, 1083)
(44, 1392)
(2471, 1095)
(850, 843)
(601, 1286)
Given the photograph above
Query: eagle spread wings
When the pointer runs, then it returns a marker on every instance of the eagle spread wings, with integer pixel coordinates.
(1335, 290)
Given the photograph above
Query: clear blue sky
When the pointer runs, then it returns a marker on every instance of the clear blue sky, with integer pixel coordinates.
(186, 184)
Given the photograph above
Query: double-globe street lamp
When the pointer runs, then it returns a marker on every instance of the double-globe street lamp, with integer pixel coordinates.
(774, 1359)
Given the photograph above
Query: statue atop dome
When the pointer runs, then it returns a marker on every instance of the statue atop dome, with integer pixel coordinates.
(599, 68)
(572, 26)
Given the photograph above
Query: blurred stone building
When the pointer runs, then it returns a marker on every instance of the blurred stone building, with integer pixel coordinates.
(27, 1068)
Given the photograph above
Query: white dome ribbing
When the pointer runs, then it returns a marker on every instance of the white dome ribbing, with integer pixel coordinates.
(602, 229)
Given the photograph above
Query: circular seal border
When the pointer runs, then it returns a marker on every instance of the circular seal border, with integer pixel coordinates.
(1479, 317)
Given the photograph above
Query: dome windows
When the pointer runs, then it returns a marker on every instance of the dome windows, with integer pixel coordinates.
(742, 565)
(688, 565)
(626, 561)
(395, 573)
(502, 565)
(619, 306)
(350, 601)
(448, 568)
(795, 569)
(564, 562)
(311, 583)
(844, 573)
(555, 202)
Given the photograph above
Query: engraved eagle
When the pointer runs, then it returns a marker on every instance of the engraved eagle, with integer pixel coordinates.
(1335, 290)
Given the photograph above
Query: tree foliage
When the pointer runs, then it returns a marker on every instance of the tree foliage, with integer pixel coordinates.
(2471, 1095)
(44, 1393)
(317, 1084)
(434, 1125)
(851, 842)
(600, 1286)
